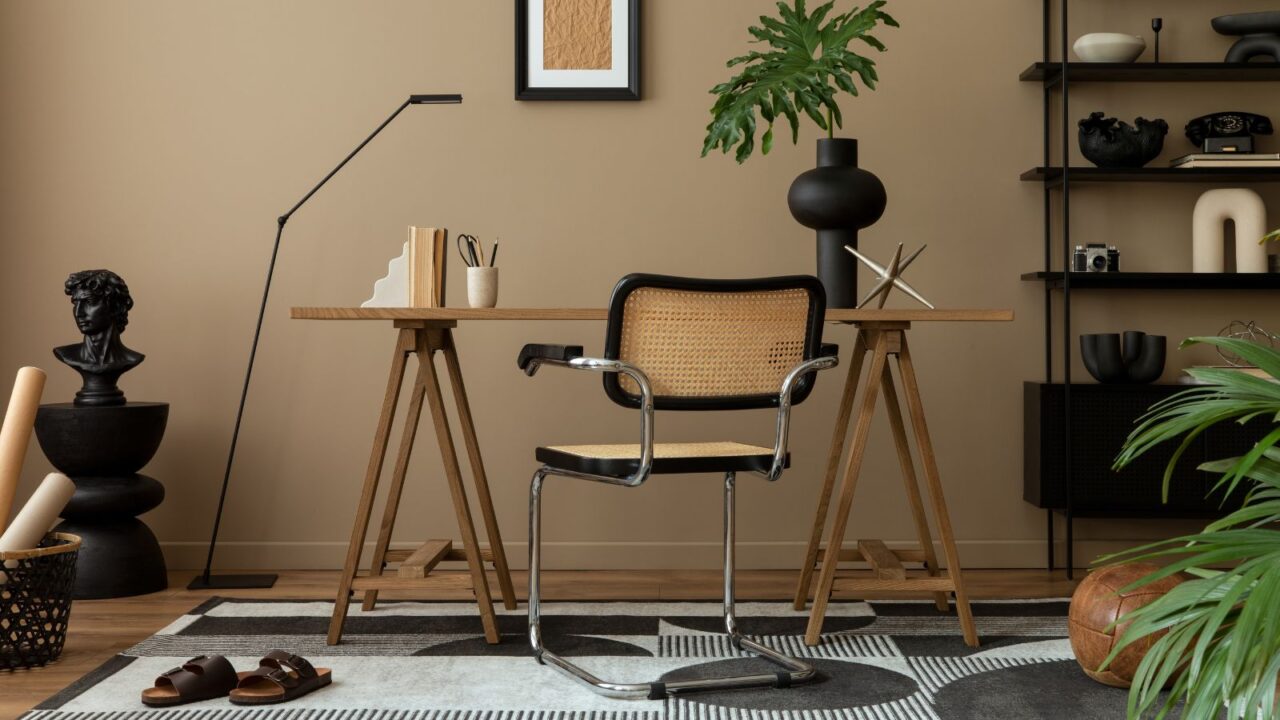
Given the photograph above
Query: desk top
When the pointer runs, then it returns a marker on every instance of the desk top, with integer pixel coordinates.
(509, 313)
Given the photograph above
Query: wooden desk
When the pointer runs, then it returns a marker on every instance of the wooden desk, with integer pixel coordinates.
(425, 331)
(502, 313)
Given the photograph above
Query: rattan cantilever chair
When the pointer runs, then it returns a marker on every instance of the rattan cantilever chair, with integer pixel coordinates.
(687, 344)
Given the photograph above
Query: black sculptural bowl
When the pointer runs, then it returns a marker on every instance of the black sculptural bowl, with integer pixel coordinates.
(1254, 23)
(1110, 143)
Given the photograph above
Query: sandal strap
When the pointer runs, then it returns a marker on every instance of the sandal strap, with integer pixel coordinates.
(200, 676)
(298, 664)
(277, 675)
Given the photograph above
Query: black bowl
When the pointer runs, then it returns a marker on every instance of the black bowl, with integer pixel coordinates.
(1110, 143)
(1254, 23)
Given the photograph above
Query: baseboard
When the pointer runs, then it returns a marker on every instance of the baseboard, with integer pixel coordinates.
(617, 555)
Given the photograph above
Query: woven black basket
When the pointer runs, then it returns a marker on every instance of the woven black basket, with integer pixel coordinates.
(35, 601)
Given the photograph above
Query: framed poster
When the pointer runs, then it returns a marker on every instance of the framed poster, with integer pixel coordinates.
(577, 49)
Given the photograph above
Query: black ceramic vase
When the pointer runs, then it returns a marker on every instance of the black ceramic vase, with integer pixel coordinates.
(837, 198)
(1138, 360)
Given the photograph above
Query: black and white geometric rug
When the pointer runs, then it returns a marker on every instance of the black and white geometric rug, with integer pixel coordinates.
(428, 661)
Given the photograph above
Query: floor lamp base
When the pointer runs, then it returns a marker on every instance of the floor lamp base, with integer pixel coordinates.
(232, 582)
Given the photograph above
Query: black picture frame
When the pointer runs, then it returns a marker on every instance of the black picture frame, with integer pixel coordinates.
(630, 92)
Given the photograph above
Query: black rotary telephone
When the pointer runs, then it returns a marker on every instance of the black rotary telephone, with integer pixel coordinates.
(1227, 132)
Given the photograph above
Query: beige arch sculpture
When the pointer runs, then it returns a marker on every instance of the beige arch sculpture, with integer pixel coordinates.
(1208, 234)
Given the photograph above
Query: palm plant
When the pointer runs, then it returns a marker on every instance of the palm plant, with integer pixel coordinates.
(1221, 644)
(808, 63)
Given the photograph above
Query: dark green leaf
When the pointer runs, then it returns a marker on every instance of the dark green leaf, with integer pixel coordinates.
(807, 62)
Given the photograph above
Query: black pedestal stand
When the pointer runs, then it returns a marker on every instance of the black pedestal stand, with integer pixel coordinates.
(101, 449)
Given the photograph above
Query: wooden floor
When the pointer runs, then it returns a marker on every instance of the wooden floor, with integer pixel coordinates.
(102, 628)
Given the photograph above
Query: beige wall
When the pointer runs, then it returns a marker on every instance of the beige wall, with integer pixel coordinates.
(161, 139)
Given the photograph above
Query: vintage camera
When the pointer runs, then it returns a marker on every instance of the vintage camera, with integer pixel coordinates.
(1095, 257)
(1228, 132)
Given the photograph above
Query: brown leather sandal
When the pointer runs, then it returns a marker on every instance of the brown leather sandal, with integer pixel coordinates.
(200, 678)
(281, 676)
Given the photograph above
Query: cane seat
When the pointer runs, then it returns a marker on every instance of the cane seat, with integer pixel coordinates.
(692, 457)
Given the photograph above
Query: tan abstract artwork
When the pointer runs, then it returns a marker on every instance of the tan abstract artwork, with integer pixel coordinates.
(577, 34)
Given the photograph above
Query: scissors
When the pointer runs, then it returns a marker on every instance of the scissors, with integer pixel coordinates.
(473, 255)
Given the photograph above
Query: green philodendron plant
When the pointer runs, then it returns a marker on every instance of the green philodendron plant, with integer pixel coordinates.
(1272, 236)
(1221, 647)
(808, 63)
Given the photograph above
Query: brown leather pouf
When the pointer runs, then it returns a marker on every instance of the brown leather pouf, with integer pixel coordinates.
(1096, 604)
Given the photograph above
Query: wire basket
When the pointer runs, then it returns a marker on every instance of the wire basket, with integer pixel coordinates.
(35, 601)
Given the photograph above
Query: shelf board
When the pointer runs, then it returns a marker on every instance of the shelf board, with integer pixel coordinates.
(1152, 72)
(1053, 175)
(1159, 280)
(1163, 513)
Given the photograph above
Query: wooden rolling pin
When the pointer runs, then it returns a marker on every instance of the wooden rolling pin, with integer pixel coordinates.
(15, 435)
(38, 515)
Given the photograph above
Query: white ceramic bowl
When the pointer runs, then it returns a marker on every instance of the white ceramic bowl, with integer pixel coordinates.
(1109, 47)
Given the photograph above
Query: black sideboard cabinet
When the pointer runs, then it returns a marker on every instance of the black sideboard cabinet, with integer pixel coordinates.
(1102, 416)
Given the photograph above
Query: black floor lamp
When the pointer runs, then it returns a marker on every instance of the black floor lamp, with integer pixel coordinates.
(205, 580)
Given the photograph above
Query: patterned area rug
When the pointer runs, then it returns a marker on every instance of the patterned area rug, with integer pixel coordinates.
(428, 661)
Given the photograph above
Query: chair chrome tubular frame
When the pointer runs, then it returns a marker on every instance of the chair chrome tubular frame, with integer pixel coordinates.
(646, 414)
(784, 409)
(794, 671)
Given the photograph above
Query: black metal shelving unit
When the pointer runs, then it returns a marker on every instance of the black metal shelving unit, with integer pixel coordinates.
(1056, 78)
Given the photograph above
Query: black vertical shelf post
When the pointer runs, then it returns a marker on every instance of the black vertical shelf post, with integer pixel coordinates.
(1047, 97)
(1066, 293)
(1064, 182)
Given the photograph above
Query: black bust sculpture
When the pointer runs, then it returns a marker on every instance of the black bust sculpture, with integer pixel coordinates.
(101, 302)
(101, 442)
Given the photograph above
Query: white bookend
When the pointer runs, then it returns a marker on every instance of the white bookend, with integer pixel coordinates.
(392, 290)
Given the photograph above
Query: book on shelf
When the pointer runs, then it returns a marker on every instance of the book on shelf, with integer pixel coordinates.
(427, 266)
(1187, 379)
(1225, 160)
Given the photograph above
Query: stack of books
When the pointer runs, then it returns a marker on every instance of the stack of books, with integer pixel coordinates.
(1228, 160)
(416, 277)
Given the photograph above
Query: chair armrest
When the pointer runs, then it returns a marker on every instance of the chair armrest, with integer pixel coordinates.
(827, 358)
(534, 354)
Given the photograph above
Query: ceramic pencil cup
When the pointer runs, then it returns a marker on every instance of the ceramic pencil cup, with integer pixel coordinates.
(482, 287)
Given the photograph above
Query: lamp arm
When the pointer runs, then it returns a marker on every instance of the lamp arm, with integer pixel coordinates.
(257, 330)
(285, 217)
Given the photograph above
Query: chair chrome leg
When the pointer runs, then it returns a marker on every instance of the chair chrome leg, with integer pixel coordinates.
(796, 671)
(535, 562)
(730, 544)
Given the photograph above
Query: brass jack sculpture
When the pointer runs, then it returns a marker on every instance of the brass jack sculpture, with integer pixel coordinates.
(890, 277)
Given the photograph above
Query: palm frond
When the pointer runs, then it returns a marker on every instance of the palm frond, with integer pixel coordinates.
(1219, 655)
